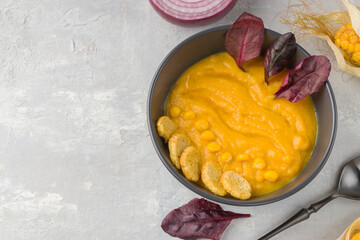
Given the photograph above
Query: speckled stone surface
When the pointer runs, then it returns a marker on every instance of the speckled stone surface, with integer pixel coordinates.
(76, 160)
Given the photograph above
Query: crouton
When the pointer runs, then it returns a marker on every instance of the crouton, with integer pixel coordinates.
(210, 175)
(236, 185)
(190, 162)
(177, 143)
(166, 127)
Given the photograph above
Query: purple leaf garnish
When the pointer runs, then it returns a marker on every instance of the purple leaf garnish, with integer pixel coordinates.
(306, 78)
(198, 218)
(279, 54)
(245, 38)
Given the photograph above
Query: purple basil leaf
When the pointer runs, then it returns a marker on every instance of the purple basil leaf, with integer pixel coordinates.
(279, 54)
(198, 218)
(245, 38)
(306, 78)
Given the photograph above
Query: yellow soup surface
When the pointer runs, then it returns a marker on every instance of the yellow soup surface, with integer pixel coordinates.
(232, 117)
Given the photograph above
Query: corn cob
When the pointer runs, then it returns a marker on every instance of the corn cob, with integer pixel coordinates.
(349, 42)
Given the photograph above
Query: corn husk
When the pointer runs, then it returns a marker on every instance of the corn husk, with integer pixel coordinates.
(351, 230)
(324, 27)
(354, 14)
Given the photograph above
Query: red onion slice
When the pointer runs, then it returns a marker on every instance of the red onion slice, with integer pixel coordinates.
(191, 10)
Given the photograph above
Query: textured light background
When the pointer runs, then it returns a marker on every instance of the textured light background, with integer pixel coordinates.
(76, 161)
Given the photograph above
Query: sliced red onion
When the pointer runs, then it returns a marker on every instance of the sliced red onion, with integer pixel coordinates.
(192, 10)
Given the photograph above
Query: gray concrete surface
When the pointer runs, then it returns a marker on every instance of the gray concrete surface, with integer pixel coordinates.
(76, 161)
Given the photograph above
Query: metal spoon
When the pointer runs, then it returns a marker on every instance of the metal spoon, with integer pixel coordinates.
(348, 187)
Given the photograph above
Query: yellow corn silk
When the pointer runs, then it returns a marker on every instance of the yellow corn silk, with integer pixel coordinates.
(232, 117)
(347, 39)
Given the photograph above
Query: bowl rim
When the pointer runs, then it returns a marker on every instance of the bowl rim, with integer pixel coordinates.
(213, 197)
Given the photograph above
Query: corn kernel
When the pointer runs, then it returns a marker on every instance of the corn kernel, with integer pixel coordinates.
(177, 121)
(259, 176)
(271, 176)
(201, 124)
(189, 115)
(338, 42)
(214, 147)
(242, 157)
(352, 33)
(357, 54)
(355, 61)
(337, 35)
(175, 111)
(259, 163)
(342, 28)
(207, 135)
(351, 48)
(345, 36)
(344, 44)
(226, 157)
(348, 26)
(357, 47)
(353, 39)
(356, 57)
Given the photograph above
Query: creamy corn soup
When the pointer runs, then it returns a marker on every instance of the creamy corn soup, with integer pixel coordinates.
(234, 120)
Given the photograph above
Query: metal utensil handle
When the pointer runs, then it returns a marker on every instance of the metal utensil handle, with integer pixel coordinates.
(302, 215)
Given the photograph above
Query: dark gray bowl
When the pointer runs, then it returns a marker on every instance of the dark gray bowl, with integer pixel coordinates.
(209, 42)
